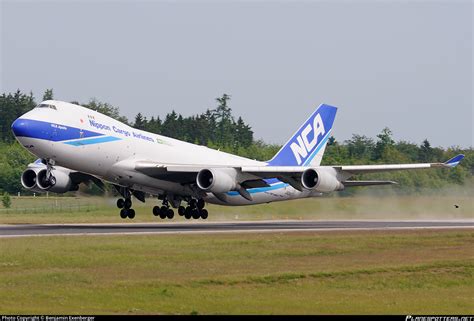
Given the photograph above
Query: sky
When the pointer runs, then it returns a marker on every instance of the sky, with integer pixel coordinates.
(406, 65)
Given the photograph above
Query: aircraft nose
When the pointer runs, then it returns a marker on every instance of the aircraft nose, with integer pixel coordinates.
(20, 127)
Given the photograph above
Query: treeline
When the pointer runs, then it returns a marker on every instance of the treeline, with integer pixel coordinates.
(361, 149)
(217, 128)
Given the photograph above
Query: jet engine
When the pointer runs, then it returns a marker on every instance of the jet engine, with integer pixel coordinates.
(217, 180)
(59, 182)
(28, 179)
(321, 180)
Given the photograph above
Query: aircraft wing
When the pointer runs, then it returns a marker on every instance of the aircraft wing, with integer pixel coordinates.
(292, 174)
(255, 175)
(177, 173)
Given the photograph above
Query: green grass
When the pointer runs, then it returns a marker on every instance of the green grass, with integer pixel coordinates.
(402, 272)
(95, 209)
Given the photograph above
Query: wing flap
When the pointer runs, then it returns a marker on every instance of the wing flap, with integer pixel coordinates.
(367, 183)
(365, 169)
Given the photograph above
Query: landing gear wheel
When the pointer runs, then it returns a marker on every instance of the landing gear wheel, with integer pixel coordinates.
(156, 210)
(131, 213)
(204, 214)
(123, 213)
(192, 203)
(120, 203)
(127, 203)
(196, 214)
(200, 204)
(188, 213)
(170, 213)
(163, 214)
(181, 210)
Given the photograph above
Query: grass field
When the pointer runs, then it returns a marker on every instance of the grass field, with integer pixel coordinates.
(90, 209)
(403, 272)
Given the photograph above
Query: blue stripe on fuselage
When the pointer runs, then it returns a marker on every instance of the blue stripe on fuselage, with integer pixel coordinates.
(49, 131)
(90, 141)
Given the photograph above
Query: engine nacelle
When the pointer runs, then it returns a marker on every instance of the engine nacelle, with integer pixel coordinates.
(60, 181)
(28, 179)
(217, 180)
(322, 180)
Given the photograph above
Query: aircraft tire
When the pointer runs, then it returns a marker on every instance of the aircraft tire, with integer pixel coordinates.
(181, 210)
(127, 204)
(123, 213)
(204, 214)
(196, 214)
(163, 213)
(156, 210)
(170, 213)
(188, 213)
(131, 213)
(120, 203)
(200, 204)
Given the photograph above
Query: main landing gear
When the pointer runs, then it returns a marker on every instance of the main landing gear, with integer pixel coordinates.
(164, 211)
(126, 208)
(125, 203)
(195, 210)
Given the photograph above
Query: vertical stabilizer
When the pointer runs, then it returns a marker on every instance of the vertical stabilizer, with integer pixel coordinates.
(306, 147)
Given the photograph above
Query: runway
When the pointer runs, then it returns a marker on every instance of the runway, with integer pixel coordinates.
(221, 227)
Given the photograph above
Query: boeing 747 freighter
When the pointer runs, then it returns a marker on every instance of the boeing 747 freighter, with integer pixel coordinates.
(75, 144)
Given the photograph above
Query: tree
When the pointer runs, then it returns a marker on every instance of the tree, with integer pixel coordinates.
(223, 113)
(384, 141)
(48, 94)
(153, 125)
(410, 150)
(225, 122)
(243, 134)
(6, 201)
(360, 147)
(13, 106)
(170, 124)
(107, 109)
(425, 154)
(140, 122)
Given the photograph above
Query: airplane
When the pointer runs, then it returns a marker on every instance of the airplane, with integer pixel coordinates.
(78, 145)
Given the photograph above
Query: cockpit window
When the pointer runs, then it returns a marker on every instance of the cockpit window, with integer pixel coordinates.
(46, 106)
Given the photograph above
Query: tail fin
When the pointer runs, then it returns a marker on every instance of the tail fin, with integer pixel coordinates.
(306, 147)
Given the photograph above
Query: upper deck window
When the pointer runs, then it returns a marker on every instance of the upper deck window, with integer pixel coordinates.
(46, 106)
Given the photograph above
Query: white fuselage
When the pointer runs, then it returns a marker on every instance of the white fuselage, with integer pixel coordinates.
(87, 141)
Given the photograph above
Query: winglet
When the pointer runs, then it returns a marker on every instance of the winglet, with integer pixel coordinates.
(454, 161)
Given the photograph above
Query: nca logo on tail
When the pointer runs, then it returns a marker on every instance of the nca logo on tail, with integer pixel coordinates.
(304, 146)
